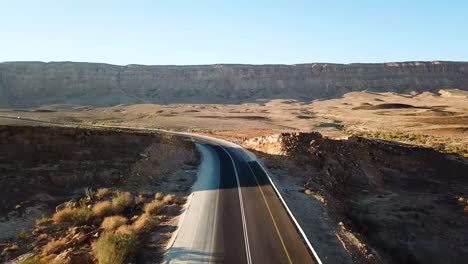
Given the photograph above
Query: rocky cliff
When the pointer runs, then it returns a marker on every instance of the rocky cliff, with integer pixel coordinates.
(30, 84)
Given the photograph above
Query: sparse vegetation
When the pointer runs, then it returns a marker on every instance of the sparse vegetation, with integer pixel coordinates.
(11, 248)
(169, 199)
(103, 208)
(143, 223)
(23, 234)
(113, 248)
(54, 246)
(441, 144)
(121, 201)
(154, 207)
(77, 216)
(158, 196)
(43, 221)
(114, 240)
(111, 223)
(102, 193)
(67, 234)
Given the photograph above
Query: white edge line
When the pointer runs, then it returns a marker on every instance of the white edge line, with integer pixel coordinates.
(290, 214)
(246, 236)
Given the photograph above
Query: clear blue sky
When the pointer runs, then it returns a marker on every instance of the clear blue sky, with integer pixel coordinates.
(217, 31)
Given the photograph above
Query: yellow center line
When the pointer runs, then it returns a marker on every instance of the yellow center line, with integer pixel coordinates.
(271, 215)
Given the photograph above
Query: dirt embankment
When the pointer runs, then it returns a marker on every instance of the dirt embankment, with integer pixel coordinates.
(42, 168)
(391, 203)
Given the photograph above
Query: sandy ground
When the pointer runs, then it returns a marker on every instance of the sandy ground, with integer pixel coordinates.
(442, 115)
(389, 203)
(45, 167)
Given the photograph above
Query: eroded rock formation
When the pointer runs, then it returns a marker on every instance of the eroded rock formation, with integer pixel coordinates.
(30, 84)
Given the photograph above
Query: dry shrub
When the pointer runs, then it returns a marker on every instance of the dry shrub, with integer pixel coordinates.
(42, 237)
(102, 193)
(33, 260)
(159, 196)
(114, 248)
(54, 246)
(140, 199)
(79, 215)
(169, 199)
(121, 201)
(144, 223)
(113, 222)
(43, 221)
(103, 208)
(154, 207)
(10, 249)
(125, 229)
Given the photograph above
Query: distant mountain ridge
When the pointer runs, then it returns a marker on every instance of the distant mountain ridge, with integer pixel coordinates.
(31, 84)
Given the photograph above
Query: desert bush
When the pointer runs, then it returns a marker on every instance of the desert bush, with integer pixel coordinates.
(42, 237)
(154, 207)
(159, 196)
(103, 208)
(89, 193)
(23, 234)
(169, 199)
(114, 248)
(54, 246)
(79, 215)
(144, 223)
(43, 221)
(126, 230)
(122, 200)
(113, 222)
(32, 260)
(102, 193)
(9, 249)
(140, 199)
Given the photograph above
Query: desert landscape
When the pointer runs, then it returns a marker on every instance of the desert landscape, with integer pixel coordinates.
(371, 158)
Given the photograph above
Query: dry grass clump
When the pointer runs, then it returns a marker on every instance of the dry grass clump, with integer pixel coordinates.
(33, 260)
(42, 237)
(122, 200)
(8, 249)
(144, 223)
(141, 225)
(125, 229)
(158, 196)
(114, 248)
(111, 223)
(140, 199)
(54, 246)
(102, 193)
(154, 207)
(103, 208)
(43, 221)
(78, 215)
(119, 203)
(120, 237)
(169, 199)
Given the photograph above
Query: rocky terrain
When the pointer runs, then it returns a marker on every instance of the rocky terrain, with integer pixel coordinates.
(391, 203)
(32, 84)
(50, 206)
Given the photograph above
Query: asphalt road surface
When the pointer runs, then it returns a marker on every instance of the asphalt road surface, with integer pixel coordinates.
(234, 214)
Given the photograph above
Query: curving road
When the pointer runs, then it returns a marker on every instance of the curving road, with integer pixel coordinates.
(235, 214)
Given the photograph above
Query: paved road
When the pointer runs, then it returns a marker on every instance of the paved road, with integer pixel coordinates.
(234, 214)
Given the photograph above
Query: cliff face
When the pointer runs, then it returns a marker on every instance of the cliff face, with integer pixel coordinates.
(29, 84)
